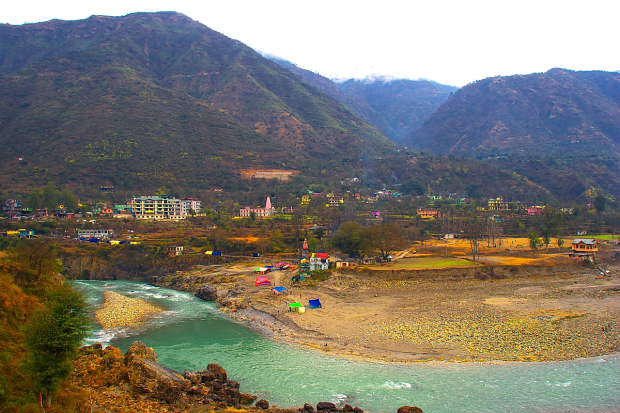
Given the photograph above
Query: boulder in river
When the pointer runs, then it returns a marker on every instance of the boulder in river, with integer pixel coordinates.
(409, 409)
(207, 293)
(262, 404)
(323, 406)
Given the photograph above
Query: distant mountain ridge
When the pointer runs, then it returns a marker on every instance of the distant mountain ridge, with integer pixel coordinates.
(397, 107)
(557, 113)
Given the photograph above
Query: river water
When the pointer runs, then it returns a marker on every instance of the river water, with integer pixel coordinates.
(193, 333)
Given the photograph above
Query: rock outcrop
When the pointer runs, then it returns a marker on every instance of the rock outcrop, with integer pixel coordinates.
(207, 293)
(135, 382)
(140, 372)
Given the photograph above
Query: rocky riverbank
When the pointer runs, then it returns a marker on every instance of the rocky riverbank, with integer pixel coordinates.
(110, 381)
(543, 317)
(121, 311)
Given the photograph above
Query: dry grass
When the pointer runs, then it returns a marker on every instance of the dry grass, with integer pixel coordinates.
(427, 262)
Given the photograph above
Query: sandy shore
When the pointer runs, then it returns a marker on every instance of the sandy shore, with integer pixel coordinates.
(535, 318)
(121, 311)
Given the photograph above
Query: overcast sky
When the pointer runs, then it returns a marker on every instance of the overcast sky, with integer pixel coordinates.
(452, 42)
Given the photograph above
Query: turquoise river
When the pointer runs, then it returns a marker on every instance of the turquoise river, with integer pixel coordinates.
(193, 333)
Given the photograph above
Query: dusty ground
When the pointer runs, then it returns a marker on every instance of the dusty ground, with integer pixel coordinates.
(522, 319)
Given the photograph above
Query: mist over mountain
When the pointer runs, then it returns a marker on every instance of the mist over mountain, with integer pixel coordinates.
(397, 107)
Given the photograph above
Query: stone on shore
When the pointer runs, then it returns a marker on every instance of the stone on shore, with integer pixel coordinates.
(262, 404)
(122, 311)
(409, 409)
(329, 406)
(207, 293)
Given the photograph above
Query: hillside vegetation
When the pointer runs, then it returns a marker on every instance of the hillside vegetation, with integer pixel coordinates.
(154, 99)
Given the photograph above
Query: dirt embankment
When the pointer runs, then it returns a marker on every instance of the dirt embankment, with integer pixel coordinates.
(540, 314)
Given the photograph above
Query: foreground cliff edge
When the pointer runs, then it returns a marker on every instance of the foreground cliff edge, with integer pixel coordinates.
(136, 382)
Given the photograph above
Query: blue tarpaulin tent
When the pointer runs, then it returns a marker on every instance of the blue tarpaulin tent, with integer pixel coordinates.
(280, 289)
(316, 303)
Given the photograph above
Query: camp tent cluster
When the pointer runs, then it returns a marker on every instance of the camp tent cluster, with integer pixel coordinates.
(300, 308)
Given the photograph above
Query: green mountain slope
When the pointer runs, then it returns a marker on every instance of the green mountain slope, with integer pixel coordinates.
(153, 99)
(554, 113)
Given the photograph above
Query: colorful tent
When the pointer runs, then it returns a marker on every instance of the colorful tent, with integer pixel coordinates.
(299, 307)
(316, 303)
(262, 270)
(279, 289)
(262, 281)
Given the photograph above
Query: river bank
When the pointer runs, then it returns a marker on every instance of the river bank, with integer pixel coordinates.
(548, 317)
(121, 311)
(195, 333)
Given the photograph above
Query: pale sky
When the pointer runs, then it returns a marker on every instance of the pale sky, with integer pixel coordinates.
(452, 42)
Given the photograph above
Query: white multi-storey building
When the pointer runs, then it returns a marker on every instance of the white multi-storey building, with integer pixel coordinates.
(95, 233)
(190, 205)
(156, 207)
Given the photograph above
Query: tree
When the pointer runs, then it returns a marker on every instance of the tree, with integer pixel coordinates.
(473, 230)
(551, 221)
(53, 336)
(600, 203)
(39, 261)
(534, 240)
(386, 238)
(351, 238)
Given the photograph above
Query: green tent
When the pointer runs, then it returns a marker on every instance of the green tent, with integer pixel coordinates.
(295, 305)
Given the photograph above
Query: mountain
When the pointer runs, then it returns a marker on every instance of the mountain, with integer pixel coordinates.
(396, 107)
(157, 99)
(560, 129)
(557, 113)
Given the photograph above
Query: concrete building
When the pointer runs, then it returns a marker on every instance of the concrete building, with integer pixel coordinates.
(95, 233)
(190, 206)
(157, 208)
(319, 261)
(267, 211)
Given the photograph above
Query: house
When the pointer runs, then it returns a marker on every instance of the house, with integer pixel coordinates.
(536, 210)
(267, 211)
(334, 200)
(12, 208)
(428, 213)
(95, 233)
(345, 264)
(175, 250)
(584, 245)
(319, 261)
(585, 248)
(498, 204)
